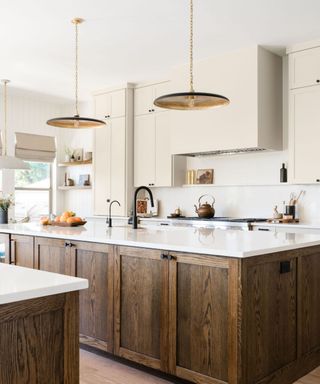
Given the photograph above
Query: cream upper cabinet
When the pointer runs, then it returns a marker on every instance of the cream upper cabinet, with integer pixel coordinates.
(152, 155)
(110, 105)
(304, 68)
(144, 150)
(113, 154)
(304, 135)
(144, 97)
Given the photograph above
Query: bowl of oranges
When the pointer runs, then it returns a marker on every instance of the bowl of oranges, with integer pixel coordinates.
(67, 219)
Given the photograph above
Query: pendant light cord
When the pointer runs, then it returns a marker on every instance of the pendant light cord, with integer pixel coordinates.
(191, 46)
(76, 68)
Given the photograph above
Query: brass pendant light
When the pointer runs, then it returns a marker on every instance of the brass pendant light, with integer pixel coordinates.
(8, 162)
(76, 121)
(191, 100)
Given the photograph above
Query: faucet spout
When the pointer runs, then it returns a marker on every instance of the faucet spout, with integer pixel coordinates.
(135, 218)
(110, 205)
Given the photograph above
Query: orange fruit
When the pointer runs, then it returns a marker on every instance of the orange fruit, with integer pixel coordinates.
(57, 219)
(74, 220)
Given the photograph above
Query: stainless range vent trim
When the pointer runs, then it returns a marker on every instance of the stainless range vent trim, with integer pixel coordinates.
(224, 152)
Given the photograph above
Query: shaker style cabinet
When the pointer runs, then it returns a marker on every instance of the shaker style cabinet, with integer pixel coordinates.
(144, 97)
(110, 105)
(152, 157)
(304, 116)
(95, 263)
(21, 251)
(154, 164)
(113, 152)
(170, 328)
(304, 68)
(304, 134)
(53, 255)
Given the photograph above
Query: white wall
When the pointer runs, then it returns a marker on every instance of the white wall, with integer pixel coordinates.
(27, 112)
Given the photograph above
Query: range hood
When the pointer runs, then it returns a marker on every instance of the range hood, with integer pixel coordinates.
(224, 152)
(252, 78)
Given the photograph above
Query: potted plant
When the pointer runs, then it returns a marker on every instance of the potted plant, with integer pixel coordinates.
(6, 201)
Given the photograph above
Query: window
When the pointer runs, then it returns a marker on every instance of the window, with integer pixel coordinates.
(33, 191)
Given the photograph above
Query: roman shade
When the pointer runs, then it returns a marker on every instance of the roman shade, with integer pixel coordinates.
(35, 147)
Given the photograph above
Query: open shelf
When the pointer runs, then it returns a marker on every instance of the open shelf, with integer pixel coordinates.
(75, 187)
(74, 163)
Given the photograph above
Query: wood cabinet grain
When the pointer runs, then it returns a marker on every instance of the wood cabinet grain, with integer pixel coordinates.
(39, 341)
(52, 255)
(22, 251)
(271, 303)
(95, 263)
(140, 305)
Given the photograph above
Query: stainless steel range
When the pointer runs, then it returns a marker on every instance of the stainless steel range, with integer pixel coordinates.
(244, 224)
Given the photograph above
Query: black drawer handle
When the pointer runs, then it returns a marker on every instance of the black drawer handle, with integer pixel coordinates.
(285, 267)
(163, 256)
(68, 244)
(170, 257)
(264, 229)
(318, 81)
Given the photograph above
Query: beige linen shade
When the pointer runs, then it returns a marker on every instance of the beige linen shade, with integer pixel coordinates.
(32, 147)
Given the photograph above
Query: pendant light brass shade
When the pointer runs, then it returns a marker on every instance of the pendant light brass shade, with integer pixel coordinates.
(191, 100)
(76, 121)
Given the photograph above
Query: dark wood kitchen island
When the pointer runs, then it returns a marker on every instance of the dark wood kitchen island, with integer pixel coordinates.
(210, 306)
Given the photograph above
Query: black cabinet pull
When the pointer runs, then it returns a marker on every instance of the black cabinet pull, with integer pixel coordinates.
(152, 110)
(318, 81)
(68, 244)
(318, 180)
(170, 257)
(163, 256)
(285, 267)
(149, 110)
(264, 229)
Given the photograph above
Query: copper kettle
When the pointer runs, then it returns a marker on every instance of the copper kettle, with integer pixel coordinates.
(205, 211)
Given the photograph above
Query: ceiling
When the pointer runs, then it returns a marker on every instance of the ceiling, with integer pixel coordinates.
(136, 40)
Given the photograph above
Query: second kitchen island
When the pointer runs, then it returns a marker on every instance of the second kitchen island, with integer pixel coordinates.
(206, 305)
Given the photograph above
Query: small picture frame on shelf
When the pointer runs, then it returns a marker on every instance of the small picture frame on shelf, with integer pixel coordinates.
(78, 154)
(205, 176)
(84, 180)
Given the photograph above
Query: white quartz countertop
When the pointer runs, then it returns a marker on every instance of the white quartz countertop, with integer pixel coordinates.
(208, 241)
(17, 283)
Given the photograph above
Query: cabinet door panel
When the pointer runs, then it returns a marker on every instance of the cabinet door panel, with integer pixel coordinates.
(102, 105)
(202, 332)
(163, 171)
(118, 165)
(95, 263)
(271, 319)
(306, 135)
(101, 185)
(143, 100)
(309, 272)
(5, 248)
(51, 255)
(304, 68)
(21, 251)
(140, 301)
(118, 103)
(144, 150)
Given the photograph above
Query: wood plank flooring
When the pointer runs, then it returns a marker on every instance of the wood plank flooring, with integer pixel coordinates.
(95, 369)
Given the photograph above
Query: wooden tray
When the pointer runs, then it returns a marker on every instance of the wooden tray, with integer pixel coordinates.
(57, 224)
(283, 221)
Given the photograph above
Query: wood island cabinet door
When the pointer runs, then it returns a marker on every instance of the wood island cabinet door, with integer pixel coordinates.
(199, 310)
(95, 263)
(21, 251)
(53, 255)
(270, 317)
(309, 302)
(141, 306)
